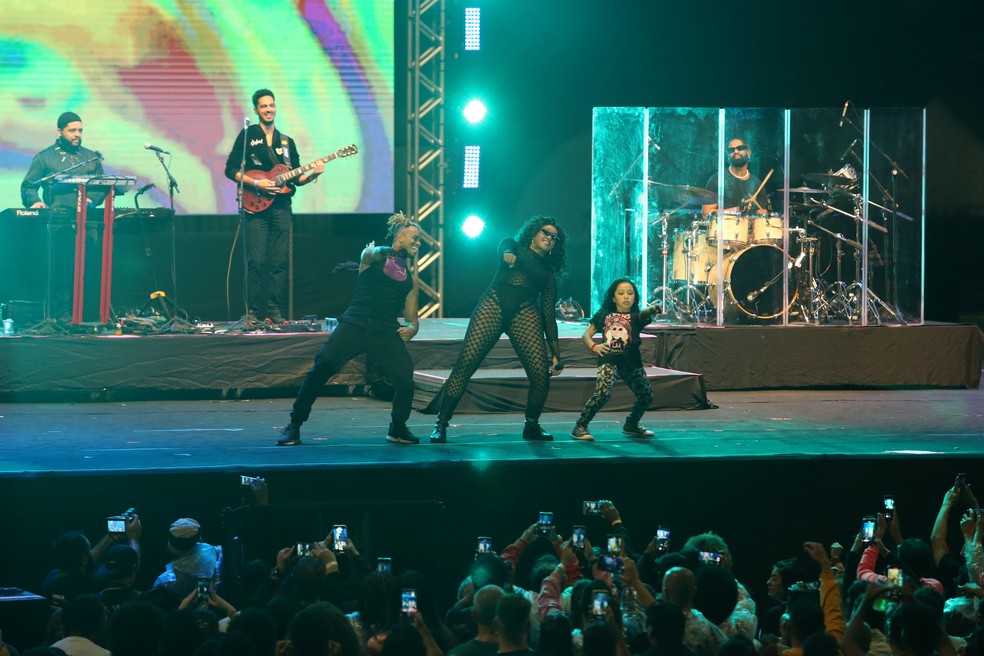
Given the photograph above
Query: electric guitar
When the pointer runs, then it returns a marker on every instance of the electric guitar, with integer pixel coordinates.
(255, 200)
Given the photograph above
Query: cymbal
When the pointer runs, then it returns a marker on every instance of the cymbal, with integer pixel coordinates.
(806, 190)
(829, 179)
(687, 194)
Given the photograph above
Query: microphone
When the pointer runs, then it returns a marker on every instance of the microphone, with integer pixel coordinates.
(761, 290)
(156, 149)
(849, 149)
(653, 142)
(145, 188)
(245, 122)
(98, 154)
(843, 114)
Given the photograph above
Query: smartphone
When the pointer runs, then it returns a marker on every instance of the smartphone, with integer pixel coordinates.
(977, 512)
(408, 602)
(961, 481)
(709, 557)
(577, 537)
(249, 480)
(615, 545)
(591, 507)
(546, 523)
(483, 545)
(115, 525)
(304, 549)
(894, 575)
(204, 588)
(599, 603)
(889, 501)
(867, 529)
(339, 537)
(611, 564)
(384, 564)
(662, 539)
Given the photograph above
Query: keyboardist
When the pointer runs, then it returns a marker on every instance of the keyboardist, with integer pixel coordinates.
(65, 153)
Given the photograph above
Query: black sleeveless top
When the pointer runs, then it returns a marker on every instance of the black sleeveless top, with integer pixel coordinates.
(380, 293)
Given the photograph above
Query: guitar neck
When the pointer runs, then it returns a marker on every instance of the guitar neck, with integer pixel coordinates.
(287, 176)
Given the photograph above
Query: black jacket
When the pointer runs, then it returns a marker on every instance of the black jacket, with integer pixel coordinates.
(56, 158)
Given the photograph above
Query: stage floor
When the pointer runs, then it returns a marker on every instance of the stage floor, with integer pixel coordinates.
(345, 432)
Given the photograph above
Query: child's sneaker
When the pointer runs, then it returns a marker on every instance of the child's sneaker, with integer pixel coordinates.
(636, 430)
(581, 433)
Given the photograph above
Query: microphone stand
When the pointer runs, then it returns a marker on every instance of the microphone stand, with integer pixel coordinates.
(247, 323)
(176, 323)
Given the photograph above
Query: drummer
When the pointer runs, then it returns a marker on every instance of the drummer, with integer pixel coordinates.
(740, 186)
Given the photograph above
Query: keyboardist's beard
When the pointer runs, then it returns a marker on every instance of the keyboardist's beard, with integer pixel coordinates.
(68, 145)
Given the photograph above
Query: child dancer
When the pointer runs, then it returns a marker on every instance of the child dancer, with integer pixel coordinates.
(619, 321)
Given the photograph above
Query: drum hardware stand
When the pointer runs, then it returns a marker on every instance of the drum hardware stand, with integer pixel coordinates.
(840, 299)
(664, 296)
(811, 296)
(872, 301)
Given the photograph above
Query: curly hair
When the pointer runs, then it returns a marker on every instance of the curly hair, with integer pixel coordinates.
(557, 258)
(608, 304)
(398, 222)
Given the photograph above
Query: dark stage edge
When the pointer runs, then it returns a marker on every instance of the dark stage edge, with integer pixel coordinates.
(273, 364)
(505, 390)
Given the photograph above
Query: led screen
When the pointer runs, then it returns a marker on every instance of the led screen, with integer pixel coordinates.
(179, 74)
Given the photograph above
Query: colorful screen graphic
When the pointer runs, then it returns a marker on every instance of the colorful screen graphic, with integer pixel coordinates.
(179, 74)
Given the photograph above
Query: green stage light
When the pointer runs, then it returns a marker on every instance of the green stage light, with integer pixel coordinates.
(475, 111)
(473, 226)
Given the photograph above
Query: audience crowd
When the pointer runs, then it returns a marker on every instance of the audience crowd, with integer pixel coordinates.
(541, 594)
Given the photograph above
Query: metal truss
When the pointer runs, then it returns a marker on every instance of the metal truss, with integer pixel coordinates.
(425, 144)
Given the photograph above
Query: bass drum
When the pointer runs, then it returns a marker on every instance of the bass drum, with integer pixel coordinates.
(753, 282)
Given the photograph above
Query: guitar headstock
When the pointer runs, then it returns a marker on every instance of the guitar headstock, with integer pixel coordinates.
(347, 151)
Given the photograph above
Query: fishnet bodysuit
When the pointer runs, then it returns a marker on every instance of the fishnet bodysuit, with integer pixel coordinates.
(509, 306)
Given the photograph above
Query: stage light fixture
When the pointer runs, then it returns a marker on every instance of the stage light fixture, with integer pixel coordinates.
(472, 161)
(475, 111)
(473, 226)
(473, 28)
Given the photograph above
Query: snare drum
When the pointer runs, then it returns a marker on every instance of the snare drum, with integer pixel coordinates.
(734, 229)
(701, 256)
(767, 229)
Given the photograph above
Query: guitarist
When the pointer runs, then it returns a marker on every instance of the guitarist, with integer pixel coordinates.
(267, 233)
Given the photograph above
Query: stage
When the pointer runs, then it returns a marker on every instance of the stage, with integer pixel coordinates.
(167, 424)
(265, 364)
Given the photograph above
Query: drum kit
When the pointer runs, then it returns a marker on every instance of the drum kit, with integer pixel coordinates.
(754, 258)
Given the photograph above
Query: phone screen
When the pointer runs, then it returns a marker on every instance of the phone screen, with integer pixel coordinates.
(115, 525)
(408, 601)
(303, 549)
(868, 529)
(204, 589)
(599, 603)
(339, 536)
(591, 508)
(384, 565)
(546, 522)
(484, 546)
(709, 557)
(577, 537)
(615, 545)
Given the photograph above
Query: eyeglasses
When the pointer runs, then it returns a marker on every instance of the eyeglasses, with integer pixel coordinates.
(740, 148)
(550, 235)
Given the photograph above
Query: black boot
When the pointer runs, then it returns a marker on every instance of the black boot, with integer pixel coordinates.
(533, 431)
(440, 433)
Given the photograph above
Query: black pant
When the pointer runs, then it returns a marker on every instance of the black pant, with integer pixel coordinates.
(355, 336)
(268, 235)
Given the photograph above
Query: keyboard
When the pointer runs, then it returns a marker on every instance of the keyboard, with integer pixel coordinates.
(97, 180)
(67, 216)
